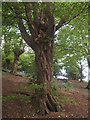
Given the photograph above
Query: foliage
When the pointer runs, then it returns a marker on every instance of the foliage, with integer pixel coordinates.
(55, 87)
(56, 68)
(67, 100)
(72, 71)
(11, 43)
(8, 98)
(27, 64)
(71, 41)
(38, 23)
(10, 57)
(32, 86)
(71, 45)
(67, 86)
(6, 70)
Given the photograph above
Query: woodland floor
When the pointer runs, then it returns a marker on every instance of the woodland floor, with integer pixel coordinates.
(15, 105)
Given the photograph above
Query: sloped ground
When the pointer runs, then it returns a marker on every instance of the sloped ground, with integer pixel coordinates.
(74, 101)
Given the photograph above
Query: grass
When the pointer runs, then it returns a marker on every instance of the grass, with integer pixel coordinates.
(7, 70)
(86, 90)
(25, 99)
(67, 100)
(31, 87)
(8, 98)
(67, 86)
(3, 72)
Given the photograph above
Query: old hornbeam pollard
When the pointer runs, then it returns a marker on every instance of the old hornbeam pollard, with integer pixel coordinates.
(38, 23)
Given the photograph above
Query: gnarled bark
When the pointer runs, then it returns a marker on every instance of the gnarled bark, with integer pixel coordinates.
(44, 103)
(41, 41)
(43, 100)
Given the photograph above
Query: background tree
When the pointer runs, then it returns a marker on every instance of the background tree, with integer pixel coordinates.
(71, 45)
(13, 47)
(6, 49)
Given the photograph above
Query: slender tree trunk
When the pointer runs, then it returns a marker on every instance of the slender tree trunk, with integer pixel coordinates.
(44, 101)
(15, 66)
(8, 63)
(81, 73)
(88, 86)
(17, 53)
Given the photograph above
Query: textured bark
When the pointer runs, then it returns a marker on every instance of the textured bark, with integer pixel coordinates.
(43, 101)
(43, 59)
(41, 26)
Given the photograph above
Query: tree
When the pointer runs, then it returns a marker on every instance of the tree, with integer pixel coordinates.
(72, 72)
(71, 46)
(6, 48)
(11, 45)
(36, 22)
(17, 52)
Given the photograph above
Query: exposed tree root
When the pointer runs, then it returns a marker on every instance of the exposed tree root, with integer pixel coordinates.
(44, 105)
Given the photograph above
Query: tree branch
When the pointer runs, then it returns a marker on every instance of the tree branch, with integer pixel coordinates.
(28, 39)
(35, 12)
(29, 20)
(64, 22)
(25, 35)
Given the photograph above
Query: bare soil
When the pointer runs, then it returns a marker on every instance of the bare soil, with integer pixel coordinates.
(74, 101)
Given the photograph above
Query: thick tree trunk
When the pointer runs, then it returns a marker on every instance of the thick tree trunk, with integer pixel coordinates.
(41, 41)
(43, 100)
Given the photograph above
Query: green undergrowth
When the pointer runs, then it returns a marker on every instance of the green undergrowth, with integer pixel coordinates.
(6, 70)
(60, 99)
(67, 100)
(67, 86)
(25, 99)
(86, 90)
(34, 86)
(56, 93)
(31, 87)
(55, 88)
(3, 72)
